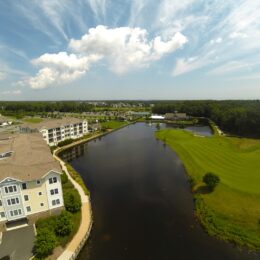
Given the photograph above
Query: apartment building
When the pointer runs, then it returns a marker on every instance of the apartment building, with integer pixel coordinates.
(57, 130)
(30, 183)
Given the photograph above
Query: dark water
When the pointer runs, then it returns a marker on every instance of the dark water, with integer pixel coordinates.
(142, 205)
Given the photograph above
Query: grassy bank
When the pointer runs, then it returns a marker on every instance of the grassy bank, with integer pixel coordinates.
(232, 210)
(113, 124)
(76, 176)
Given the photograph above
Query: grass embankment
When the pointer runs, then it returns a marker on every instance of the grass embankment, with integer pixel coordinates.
(76, 176)
(232, 210)
(113, 124)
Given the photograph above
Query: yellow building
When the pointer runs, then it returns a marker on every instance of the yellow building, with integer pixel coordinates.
(30, 183)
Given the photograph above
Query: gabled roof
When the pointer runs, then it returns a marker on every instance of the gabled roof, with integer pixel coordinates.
(31, 158)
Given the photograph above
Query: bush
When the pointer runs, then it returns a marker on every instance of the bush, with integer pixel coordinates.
(211, 180)
(64, 224)
(72, 201)
(45, 243)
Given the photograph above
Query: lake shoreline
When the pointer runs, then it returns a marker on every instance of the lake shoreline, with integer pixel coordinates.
(206, 214)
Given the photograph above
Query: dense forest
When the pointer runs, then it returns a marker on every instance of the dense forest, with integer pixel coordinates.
(19, 109)
(234, 117)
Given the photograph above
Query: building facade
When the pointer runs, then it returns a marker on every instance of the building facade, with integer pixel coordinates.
(58, 130)
(68, 130)
(30, 180)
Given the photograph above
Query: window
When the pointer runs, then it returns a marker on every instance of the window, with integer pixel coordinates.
(42, 204)
(13, 201)
(24, 186)
(38, 182)
(54, 191)
(2, 214)
(52, 180)
(55, 202)
(26, 197)
(28, 209)
(15, 212)
(11, 189)
(40, 193)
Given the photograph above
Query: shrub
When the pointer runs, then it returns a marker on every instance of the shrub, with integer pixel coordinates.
(64, 224)
(72, 201)
(211, 180)
(45, 243)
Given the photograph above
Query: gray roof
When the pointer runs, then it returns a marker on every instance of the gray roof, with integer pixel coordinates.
(53, 123)
(31, 158)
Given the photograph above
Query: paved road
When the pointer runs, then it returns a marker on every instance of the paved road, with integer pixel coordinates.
(18, 244)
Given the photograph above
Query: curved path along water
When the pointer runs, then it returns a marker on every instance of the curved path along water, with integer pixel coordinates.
(142, 205)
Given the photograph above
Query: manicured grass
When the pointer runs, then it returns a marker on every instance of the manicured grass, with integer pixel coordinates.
(33, 120)
(113, 124)
(232, 210)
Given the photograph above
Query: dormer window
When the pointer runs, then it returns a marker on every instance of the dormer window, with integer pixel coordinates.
(6, 155)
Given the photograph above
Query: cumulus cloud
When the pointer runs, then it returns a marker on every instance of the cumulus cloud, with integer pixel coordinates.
(124, 49)
(59, 68)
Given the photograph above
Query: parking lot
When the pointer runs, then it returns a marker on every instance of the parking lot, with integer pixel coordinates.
(17, 244)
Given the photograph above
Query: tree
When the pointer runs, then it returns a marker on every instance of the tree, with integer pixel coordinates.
(64, 224)
(45, 243)
(211, 180)
(72, 200)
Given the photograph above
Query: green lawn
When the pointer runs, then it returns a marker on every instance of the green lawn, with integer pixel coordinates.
(113, 124)
(232, 211)
(33, 120)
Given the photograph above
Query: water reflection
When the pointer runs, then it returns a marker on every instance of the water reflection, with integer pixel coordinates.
(73, 153)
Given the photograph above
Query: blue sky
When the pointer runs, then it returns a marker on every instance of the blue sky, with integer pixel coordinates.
(122, 49)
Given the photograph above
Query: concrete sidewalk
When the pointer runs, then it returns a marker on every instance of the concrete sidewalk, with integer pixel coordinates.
(81, 236)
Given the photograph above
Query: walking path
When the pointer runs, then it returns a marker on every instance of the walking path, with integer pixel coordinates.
(81, 236)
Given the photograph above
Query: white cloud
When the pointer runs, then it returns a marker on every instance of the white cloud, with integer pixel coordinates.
(126, 48)
(98, 7)
(230, 67)
(235, 35)
(123, 48)
(218, 40)
(59, 68)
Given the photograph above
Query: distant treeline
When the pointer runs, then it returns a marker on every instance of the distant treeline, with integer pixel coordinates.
(18, 108)
(235, 117)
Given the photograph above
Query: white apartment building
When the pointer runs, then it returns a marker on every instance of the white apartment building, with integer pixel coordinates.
(55, 131)
(30, 183)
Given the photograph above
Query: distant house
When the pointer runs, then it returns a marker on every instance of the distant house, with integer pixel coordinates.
(57, 130)
(30, 183)
(157, 117)
(176, 116)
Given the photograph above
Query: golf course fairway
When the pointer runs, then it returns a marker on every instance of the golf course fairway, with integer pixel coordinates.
(232, 211)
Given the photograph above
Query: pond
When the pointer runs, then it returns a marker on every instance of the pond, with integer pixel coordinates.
(141, 201)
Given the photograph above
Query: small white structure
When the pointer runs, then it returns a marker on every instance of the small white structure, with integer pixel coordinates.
(157, 117)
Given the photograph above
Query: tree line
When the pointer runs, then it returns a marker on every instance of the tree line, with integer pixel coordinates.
(13, 108)
(237, 117)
